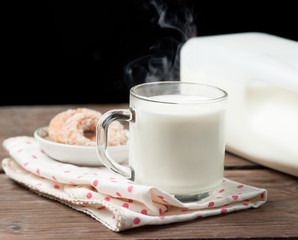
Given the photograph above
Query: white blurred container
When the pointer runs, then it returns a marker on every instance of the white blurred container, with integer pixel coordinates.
(260, 74)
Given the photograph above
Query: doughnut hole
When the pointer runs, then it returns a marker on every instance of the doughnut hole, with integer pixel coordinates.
(90, 134)
(88, 127)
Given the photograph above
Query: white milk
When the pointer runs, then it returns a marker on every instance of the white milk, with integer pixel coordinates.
(177, 147)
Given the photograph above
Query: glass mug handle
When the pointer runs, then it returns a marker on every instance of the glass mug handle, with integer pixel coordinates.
(102, 147)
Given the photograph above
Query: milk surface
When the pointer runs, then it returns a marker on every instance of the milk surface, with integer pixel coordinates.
(177, 147)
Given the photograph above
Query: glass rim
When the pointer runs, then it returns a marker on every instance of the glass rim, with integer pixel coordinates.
(223, 96)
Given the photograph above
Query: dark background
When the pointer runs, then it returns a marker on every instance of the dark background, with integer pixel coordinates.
(74, 52)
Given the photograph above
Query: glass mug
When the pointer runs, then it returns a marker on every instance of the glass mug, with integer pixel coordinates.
(176, 137)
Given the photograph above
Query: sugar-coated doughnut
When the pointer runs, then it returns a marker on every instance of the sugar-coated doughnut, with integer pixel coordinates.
(78, 127)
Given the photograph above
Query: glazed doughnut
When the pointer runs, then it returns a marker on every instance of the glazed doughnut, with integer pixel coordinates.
(57, 123)
(78, 127)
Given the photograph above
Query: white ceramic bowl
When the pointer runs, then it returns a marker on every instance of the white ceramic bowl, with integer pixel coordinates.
(75, 154)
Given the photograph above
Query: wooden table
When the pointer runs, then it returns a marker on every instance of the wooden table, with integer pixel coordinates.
(25, 215)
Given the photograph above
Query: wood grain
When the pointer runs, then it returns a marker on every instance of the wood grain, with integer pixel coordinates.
(25, 215)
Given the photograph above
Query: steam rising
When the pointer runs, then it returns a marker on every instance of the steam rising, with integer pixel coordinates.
(163, 62)
(183, 23)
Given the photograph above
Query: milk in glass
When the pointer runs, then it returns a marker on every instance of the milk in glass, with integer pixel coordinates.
(177, 143)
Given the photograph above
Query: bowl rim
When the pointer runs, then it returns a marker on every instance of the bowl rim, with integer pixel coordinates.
(42, 139)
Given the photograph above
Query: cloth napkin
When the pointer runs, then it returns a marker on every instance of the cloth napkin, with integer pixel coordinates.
(114, 201)
(260, 73)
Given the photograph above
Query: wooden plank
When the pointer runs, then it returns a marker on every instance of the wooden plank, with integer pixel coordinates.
(25, 215)
(234, 162)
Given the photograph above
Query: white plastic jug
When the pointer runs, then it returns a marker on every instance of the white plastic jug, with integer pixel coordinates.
(260, 74)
